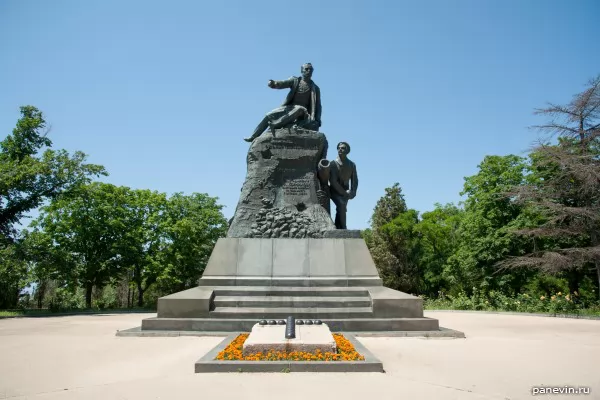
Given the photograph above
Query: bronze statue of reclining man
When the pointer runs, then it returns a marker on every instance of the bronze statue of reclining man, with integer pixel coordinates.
(301, 106)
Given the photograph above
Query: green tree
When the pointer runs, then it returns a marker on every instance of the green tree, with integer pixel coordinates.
(389, 206)
(14, 276)
(393, 241)
(191, 225)
(45, 261)
(30, 174)
(439, 236)
(486, 230)
(400, 240)
(89, 228)
(141, 243)
(567, 194)
(27, 179)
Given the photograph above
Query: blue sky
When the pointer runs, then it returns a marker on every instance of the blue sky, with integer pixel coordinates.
(162, 92)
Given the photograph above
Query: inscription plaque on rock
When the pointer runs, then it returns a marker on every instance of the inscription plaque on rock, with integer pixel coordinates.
(300, 187)
(289, 145)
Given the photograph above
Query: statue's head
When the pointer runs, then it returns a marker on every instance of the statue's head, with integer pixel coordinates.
(307, 70)
(343, 148)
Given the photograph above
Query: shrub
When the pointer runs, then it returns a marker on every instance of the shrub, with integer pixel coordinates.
(64, 299)
(558, 303)
(108, 298)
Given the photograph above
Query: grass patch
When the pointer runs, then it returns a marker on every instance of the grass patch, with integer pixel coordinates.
(10, 313)
(47, 312)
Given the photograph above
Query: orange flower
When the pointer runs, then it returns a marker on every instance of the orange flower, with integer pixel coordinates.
(345, 352)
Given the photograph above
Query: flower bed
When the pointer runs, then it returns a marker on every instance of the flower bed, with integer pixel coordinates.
(345, 352)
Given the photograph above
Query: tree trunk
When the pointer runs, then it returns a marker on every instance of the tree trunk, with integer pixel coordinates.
(40, 293)
(140, 294)
(598, 272)
(88, 294)
(573, 278)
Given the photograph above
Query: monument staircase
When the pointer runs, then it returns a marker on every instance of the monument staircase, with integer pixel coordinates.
(239, 308)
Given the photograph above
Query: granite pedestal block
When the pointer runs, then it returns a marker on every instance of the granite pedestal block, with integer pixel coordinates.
(331, 279)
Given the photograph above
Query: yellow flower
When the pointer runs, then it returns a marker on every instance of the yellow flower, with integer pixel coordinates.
(567, 297)
(559, 294)
(552, 298)
(543, 298)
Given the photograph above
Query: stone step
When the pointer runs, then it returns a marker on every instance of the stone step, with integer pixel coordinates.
(291, 291)
(335, 324)
(283, 312)
(292, 301)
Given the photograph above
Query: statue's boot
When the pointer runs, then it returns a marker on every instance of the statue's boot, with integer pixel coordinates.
(262, 126)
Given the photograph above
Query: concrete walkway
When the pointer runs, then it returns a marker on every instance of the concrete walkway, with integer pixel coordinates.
(503, 357)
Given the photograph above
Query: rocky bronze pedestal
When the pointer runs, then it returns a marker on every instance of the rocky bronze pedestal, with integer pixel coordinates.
(281, 194)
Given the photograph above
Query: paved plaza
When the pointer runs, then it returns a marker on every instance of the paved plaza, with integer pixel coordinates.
(503, 357)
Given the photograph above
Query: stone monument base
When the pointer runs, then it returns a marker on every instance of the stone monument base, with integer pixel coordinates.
(334, 280)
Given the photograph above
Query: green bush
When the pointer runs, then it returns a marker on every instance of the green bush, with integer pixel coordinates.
(63, 299)
(151, 297)
(558, 303)
(108, 298)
